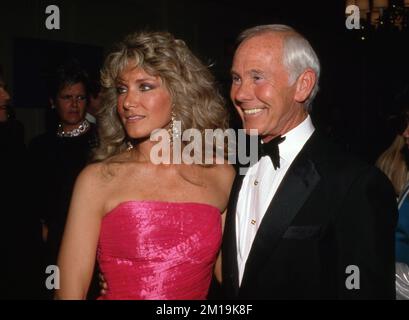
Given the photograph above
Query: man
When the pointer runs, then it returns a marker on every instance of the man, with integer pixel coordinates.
(313, 222)
(20, 235)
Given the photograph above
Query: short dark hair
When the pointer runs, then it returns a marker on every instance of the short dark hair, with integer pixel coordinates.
(68, 74)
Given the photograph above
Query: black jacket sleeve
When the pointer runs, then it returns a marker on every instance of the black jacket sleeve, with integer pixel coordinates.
(364, 230)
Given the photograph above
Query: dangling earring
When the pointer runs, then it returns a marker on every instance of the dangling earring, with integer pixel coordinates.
(173, 130)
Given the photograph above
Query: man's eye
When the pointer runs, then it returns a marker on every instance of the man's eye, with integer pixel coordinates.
(235, 79)
(66, 97)
(81, 98)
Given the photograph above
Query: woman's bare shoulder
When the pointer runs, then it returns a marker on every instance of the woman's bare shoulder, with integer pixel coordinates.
(91, 177)
(107, 170)
(223, 174)
(220, 178)
(100, 174)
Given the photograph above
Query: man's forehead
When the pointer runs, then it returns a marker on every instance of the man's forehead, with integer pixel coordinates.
(256, 57)
(267, 40)
(259, 47)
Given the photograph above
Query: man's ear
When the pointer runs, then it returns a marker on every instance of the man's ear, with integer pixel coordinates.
(305, 84)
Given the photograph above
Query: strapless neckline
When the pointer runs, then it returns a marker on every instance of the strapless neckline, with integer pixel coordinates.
(160, 203)
(159, 250)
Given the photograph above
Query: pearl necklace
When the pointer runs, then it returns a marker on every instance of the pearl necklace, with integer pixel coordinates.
(75, 132)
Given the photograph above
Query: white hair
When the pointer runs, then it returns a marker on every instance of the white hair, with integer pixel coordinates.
(298, 55)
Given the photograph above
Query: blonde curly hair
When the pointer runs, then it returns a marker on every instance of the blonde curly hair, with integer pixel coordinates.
(196, 101)
(393, 164)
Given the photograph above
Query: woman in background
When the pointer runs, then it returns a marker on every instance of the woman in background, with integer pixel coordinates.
(394, 162)
(58, 156)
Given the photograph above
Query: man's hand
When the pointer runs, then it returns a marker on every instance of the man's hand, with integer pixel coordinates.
(102, 284)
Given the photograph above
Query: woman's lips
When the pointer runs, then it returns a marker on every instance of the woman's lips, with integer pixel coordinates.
(135, 118)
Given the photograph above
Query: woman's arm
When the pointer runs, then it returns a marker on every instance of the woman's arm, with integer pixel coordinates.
(226, 179)
(78, 249)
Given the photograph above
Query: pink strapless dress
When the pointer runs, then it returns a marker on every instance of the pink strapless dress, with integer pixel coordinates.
(159, 250)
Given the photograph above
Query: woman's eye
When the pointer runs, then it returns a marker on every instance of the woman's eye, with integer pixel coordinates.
(145, 87)
(120, 90)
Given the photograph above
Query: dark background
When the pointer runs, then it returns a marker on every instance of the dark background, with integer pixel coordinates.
(359, 82)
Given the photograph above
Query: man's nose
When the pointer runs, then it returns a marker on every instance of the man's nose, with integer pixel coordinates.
(242, 92)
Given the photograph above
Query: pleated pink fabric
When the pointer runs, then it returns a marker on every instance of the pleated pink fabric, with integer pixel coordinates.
(159, 250)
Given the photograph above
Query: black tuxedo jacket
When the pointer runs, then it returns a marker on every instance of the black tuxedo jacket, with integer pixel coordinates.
(330, 211)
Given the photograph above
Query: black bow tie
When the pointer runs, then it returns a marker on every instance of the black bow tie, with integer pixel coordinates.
(271, 149)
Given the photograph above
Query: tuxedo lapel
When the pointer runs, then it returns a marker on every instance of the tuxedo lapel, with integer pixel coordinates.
(294, 190)
(229, 246)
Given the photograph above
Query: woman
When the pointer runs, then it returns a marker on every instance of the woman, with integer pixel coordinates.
(156, 228)
(402, 247)
(58, 156)
(394, 161)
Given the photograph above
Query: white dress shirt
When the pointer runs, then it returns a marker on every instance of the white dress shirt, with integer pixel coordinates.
(259, 187)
